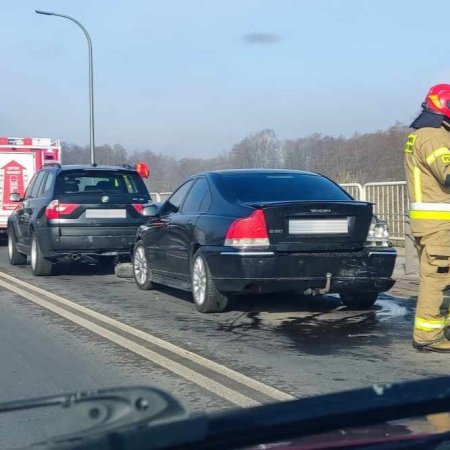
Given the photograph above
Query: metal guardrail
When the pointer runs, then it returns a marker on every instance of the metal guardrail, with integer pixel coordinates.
(160, 196)
(391, 204)
(356, 190)
(390, 200)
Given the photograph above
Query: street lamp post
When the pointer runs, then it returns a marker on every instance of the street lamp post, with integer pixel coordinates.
(91, 78)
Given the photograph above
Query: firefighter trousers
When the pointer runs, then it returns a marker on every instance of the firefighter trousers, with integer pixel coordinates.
(432, 317)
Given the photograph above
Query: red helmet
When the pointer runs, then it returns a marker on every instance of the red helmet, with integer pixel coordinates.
(438, 99)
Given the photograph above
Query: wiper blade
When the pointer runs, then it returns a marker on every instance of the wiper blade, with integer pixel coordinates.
(96, 414)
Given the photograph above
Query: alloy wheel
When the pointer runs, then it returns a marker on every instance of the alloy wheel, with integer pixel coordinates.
(33, 253)
(140, 266)
(199, 280)
(10, 246)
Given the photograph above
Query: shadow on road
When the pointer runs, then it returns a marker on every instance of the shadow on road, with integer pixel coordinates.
(77, 268)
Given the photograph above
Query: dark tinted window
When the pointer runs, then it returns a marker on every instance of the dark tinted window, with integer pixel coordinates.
(278, 187)
(178, 196)
(37, 184)
(199, 198)
(46, 185)
(30, 186)
(99, 182)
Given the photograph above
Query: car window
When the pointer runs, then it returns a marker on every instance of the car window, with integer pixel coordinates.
(30, 186)
(37, 184)
(280, 187)
(178, 196)
(46, 185)
(195, 200)
(96, 182)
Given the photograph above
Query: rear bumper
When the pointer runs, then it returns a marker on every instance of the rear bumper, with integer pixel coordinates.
(86, 241)
(368, 270)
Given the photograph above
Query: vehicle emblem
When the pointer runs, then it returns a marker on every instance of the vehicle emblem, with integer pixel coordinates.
(105, 199)
(320, 211)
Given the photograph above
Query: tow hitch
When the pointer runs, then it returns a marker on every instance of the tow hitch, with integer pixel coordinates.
(320, 291)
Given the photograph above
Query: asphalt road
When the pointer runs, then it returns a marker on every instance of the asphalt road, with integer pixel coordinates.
(85, 328)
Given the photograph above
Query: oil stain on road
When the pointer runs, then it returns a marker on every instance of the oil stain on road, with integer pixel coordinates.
(321, 325)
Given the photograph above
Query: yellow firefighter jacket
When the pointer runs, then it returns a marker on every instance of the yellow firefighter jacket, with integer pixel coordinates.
(427, 166)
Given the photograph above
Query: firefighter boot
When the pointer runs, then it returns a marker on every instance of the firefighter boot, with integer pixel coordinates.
(440, 346)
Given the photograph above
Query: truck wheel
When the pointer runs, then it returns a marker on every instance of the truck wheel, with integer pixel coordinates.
(141, 271)
(359, 300)
(206, 297)
(15, 257)
(39, 265)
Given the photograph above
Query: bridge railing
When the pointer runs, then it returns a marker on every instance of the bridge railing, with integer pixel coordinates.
(390, 200)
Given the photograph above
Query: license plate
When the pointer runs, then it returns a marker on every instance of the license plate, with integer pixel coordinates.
(106, 214)
(320, 226)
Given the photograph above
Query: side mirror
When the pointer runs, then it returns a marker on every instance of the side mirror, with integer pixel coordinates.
(150, 211)
(14, 197)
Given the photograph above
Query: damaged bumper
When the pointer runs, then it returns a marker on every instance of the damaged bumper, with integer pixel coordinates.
(367, 270)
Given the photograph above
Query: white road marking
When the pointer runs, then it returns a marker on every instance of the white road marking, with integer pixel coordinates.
(192, 375)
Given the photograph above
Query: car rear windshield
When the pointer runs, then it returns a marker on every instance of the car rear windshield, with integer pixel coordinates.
(100, 181)
(281, 187)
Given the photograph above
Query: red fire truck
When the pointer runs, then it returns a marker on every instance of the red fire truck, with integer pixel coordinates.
(20, 158)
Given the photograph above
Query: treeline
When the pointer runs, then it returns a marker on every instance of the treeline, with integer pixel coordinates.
(361, 158)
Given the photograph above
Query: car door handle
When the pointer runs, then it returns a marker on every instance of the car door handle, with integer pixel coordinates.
(189, 224)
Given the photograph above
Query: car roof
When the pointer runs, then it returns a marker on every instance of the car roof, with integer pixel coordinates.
(250, 171)
(62, 168)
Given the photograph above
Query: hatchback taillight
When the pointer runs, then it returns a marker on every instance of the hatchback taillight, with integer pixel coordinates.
(248, 232)
(55, 209)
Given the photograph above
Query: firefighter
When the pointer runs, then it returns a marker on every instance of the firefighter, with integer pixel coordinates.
(427, 166)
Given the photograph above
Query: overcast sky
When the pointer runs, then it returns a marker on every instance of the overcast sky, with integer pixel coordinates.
(191, 77)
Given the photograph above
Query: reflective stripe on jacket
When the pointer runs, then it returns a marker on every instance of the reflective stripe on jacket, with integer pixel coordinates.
(427, 165)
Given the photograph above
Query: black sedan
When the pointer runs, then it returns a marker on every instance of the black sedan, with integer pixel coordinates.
(224, 233)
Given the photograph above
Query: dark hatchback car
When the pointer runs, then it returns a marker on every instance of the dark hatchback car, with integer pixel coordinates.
(81, 212)
(261, 231)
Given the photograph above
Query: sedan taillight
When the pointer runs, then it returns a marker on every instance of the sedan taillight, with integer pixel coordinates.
(55, 209)
(248, 232)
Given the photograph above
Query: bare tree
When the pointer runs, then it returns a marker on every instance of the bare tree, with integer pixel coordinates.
(257, 150)
(361, 158)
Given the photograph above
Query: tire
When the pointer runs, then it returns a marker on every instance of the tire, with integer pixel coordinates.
(359, 300)
(141, 271)
(40, 266)
(15, 257)
(207, 298)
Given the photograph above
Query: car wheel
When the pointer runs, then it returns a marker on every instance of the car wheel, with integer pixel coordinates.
(141, 271)
(15, 257)
(39, 265)
(206, 297)
(359, 300)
